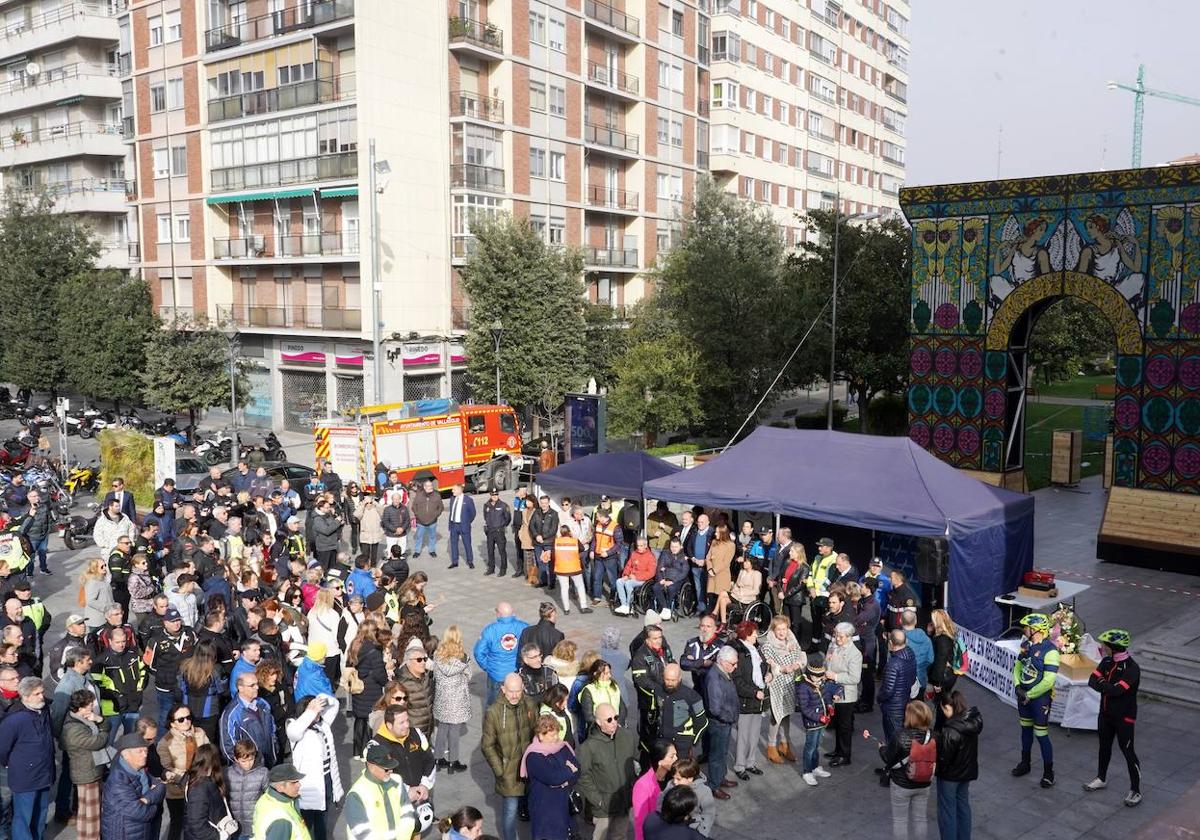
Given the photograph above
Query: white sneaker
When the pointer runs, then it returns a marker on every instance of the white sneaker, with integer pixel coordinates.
(1095, 785)
(821, 773)
(810, 780)
(665, 615)
(622, 610)
(1132, 799)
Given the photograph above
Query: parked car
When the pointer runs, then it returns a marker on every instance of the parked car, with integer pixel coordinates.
(188, 472)
(297, 474)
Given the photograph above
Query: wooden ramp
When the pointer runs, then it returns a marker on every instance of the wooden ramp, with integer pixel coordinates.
(1151, 528)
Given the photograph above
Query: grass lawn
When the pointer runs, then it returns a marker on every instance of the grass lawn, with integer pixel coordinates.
(1077, 386)
(1041, 421)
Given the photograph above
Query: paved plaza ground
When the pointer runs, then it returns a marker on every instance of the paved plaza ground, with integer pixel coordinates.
(778, 804)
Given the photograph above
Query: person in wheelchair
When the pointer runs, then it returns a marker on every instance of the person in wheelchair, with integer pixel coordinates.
(639, 570)
(669, 576)
(742, 593)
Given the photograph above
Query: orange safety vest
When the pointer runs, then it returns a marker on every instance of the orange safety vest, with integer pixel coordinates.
(605, 540)
(566, 556)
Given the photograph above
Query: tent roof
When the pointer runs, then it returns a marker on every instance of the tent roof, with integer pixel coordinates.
(882, 483)
(619, 474)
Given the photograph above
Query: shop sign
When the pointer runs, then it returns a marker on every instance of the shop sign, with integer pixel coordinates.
(300, 351)
(347, 356)
(458, 353)
(422, 355)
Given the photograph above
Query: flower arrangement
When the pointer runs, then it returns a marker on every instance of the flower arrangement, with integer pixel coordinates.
(1066, 630)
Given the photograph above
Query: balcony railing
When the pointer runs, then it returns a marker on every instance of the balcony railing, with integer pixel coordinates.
(135, 252)
(601, 196)
(283, 98)
(830, 17)
(824, 97)
(297, 317)
(476, 177)
(892, 157)
(819, 172)
(326, 244)
(464, 103)
(304, 16)
(600, 74)
(58, 133)
(52, 17)
(820, 135)
(82, 185)
(50, 75)
(127, 127)
(611, 257)
(611, 137)
(607, 15)
(169, 312)
(331, 167)
(482, 34)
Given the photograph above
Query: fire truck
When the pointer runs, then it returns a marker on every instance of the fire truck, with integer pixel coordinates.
(450, 443)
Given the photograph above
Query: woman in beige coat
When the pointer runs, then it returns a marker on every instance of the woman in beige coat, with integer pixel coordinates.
(720, 556)
(370, 526)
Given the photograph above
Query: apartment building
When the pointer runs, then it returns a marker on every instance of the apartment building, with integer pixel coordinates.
(809, 104)
(61, 112)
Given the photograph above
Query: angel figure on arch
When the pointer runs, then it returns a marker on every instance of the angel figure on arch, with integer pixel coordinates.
(1021, 256)
(1114, 255)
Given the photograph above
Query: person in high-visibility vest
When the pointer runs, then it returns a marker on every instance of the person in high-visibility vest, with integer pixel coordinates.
(378, 806)
(568, 568)
(275, 814)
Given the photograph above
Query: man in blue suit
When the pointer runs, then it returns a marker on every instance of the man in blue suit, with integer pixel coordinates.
(462, 514)
(123, 496)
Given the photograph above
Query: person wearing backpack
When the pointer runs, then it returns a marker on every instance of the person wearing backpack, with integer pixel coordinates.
(958, 765)
(946, 657)
(910, 757)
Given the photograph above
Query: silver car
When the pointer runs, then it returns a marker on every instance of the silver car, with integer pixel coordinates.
(189, 470)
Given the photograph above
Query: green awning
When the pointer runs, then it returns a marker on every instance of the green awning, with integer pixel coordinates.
(340, 192)
(270, 195)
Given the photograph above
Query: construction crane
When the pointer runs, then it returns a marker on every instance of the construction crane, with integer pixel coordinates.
(1140, 92)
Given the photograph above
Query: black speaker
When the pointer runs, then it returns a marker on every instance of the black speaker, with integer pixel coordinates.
(933, 560)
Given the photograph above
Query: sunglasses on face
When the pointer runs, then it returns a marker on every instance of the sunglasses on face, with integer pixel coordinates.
(608, 719)
(183, 719)
(419, 658)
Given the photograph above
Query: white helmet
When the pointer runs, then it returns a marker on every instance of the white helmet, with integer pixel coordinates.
(424, 817)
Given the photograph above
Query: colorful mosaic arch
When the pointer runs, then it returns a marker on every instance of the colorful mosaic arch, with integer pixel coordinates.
(985, 253)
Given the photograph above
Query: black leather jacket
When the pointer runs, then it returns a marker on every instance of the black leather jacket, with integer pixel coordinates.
(958, 747)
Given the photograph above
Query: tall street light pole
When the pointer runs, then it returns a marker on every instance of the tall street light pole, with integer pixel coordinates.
(229, 330)
(497, 334)
(377, 172)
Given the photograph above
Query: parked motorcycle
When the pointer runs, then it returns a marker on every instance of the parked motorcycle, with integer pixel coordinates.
(214, 448)
(39, 415)
(76, 530)
(163, 426)
(269, 449)
(14, 453)
(82, 478)
(95, 420)
(129, 419)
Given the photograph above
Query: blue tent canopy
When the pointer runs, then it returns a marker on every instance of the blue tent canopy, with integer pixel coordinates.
(882, 483)
(617, 474)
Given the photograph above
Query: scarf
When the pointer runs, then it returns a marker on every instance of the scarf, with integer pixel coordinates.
(142, 776)
(542, 748)
(9, 695)
(1117, 657)
(755, 665)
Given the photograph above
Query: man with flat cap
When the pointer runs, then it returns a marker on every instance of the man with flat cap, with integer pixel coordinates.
(132, 797)
(377, 806)
(276, 815)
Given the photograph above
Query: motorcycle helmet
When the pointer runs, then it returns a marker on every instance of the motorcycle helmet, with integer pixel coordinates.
(1115, 638)
(424, 817)
(1036, 622)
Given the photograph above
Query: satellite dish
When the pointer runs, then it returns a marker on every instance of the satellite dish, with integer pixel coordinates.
(32, 68)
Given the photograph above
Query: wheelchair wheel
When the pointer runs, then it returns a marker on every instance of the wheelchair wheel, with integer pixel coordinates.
(685, 603)
(642, 600)
(760, 613)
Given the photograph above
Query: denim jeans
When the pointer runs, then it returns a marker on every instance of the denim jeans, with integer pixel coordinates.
(604, 569)
(545, 570)
(954, 810)
(626, 587)
(164, 710)
(493, 691)
(665, 596)
(64, 795)
(29, 814)
(812, 748)
(425, 533)
(508, 818)
(909, 804)
(718, 751)
(122, 724)
(39, 549)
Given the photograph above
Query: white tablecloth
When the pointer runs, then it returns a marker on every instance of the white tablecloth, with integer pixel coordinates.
(991, 665)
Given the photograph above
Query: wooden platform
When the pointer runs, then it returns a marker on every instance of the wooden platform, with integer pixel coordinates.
(1151, 528)
(1012, 480)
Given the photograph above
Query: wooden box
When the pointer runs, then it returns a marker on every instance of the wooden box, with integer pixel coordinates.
(1075, 666)
(1108, 461)
(1028, 592)
(1066, 456)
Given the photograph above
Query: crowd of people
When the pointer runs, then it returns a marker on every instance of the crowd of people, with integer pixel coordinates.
(228, 645)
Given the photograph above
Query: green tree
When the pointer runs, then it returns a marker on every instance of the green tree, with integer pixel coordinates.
(607, 337)
(187, 368)
(1069, 333)
(537, 293)
(103, 344)
(723, 287)
(658, 390)
(39, 251)
(872, 307)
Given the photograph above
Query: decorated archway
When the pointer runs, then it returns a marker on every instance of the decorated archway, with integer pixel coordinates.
(988, 257)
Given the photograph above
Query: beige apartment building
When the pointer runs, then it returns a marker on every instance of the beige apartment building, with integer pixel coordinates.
(60, 112)
(251, 124)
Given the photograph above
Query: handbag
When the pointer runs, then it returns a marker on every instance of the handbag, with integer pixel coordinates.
(351, 683)
(227, 827)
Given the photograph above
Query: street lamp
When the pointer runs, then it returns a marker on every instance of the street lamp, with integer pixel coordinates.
(497, 334)
(378, 172)
(229, 330)
(837, 226)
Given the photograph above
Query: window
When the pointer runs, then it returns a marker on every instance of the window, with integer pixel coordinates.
(750, 54)
(558, 100)
(558, 34)
(558, 166)
(663, 182)
(178, 160)
(819, 164)
(156, 30)
(766, 105)
(822, 88)
(664, 74)
(174, 94)
(468, 208)
(663, 131)
(677, 133)
(892, 153)
(727, 46)
(725, 94)
(816, 126)
(823, 49)
(161, 161)
(508, 425)
(747, 142)
(677, 23)
(677, 78)
(748, 188)
(291, 74)
(164, 228)
(158, 98)
(768, 62)
(896, 21)
(752, 9)
(475, 424)
(537, 27)
(893, 120)
(183, 228)
(173, 25)
(558, 230)
(537, 163)
(537, 96)
(769, 18)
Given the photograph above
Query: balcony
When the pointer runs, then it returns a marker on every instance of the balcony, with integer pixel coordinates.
(114, 253)
(472, 176)
(830, 17)
(338, 166)
(462, 248)
(124, 65)
(611, 138)
(21, 147)
(295, 318)
(283, 98)
(49, 28)
(282, 22)
(894, 158)
(86, 195)
(476, 36)
(464, 103)
(135, 252)
(291, 246)
(816, 134)
(171, 313)
(127, 129)
(601, 76)
(727, 7)
(612, 199)
(52, 84)
(610, 258)
(819, 172)
(822, 96)
(617, 21)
